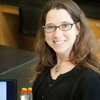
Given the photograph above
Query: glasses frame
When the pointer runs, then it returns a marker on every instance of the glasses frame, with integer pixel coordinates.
(44, 27)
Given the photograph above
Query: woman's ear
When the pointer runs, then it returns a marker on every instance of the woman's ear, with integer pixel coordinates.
(78, 28)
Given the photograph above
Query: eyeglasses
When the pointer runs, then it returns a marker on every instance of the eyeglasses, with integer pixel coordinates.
(62, 27)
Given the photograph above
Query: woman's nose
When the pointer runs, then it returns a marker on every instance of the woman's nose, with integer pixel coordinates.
(58, 33)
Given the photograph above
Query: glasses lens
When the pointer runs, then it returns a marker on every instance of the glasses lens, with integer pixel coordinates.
(49, 28)
(65, 27)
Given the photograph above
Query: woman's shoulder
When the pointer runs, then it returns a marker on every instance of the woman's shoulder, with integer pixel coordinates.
(88, 84)
(87, 73)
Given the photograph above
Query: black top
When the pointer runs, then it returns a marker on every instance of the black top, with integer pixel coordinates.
(44, 86)
(77, 84)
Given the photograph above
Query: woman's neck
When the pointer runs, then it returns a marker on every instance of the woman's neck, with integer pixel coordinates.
(63, 65)
(61, 68)
(62, 59)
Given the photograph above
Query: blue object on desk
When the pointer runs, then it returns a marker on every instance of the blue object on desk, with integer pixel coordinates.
(8, 89)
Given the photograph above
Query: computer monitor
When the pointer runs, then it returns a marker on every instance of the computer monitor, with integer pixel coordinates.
(8, 89)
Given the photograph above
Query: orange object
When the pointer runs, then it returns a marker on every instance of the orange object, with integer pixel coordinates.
(24, 90)
(29, 90)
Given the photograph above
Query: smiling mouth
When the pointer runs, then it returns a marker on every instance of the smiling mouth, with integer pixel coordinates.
(59, 42)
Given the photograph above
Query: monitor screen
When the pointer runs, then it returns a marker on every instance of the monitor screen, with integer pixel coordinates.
(8, 89)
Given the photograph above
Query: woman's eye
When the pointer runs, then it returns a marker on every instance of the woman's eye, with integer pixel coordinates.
(50, 27)
(64, 25)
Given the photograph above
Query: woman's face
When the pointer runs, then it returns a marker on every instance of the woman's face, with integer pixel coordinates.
(60, 41)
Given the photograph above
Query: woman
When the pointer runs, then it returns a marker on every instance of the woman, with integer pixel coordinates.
(67, 68)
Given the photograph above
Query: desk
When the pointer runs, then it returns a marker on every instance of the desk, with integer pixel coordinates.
(16, 64)
(13, 57)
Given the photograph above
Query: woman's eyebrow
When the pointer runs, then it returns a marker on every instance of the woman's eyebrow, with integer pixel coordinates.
(49, 24)
(63, 22)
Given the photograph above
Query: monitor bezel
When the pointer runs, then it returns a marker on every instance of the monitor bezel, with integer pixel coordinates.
(15, 85)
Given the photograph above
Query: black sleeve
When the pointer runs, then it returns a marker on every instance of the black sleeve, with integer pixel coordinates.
(88, 89)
